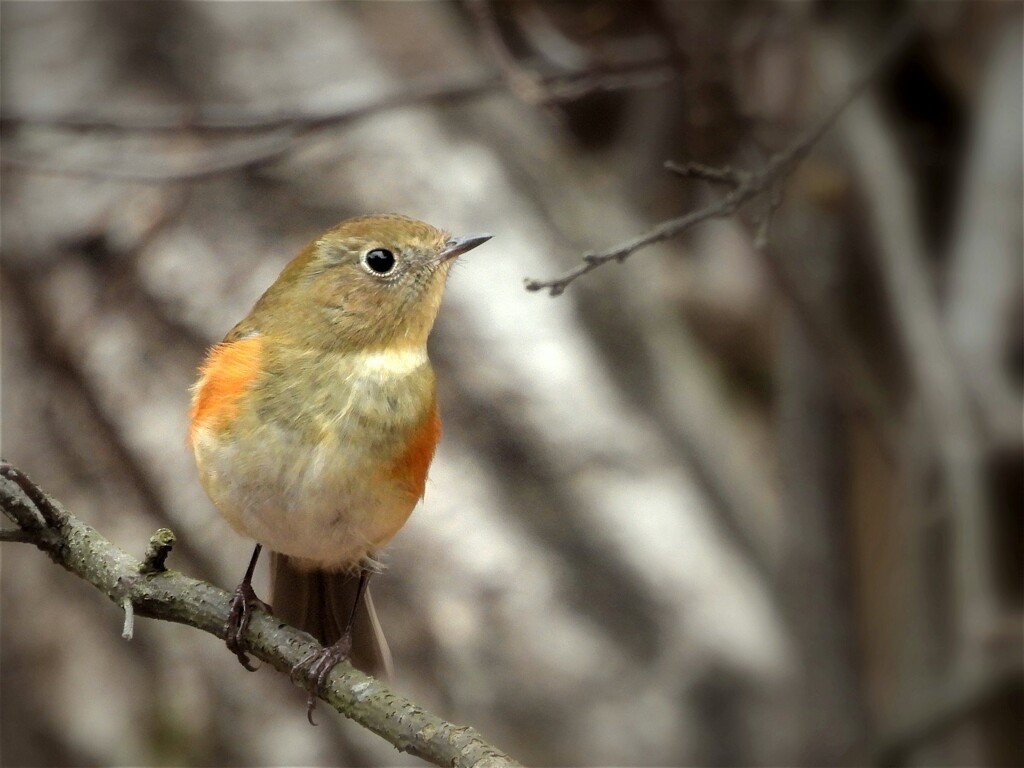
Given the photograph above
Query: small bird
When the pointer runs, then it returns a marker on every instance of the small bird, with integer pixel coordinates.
(314, 423)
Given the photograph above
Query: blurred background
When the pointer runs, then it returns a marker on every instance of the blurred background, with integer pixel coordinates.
(727, 503)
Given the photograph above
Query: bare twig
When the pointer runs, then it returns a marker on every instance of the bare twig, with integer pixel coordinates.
(19, 537)
(726, 175)
(231, 119)
(568, 86)
(749, 185)
(288, 130)
(250, 154)
(664, 231)
(292, 125)
(40, 501)
(593, 77)
(160, 545)
(171, 596)
(64, 359)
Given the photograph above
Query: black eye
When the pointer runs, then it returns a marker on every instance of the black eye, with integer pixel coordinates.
(380, 260)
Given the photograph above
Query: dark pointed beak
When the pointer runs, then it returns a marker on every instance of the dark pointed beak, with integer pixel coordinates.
(457, 246)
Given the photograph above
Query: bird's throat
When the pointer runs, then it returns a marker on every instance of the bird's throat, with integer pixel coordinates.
(395, 361)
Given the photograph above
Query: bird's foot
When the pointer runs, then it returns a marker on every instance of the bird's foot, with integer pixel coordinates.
(313, 670)
(243, 604)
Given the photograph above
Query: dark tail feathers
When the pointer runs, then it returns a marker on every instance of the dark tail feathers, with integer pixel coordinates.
(320, 602)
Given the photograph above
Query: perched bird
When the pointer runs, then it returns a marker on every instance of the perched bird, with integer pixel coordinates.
(315, 421)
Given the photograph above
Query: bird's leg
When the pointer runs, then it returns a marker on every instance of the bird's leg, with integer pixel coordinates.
(242, 605)
(318, 665)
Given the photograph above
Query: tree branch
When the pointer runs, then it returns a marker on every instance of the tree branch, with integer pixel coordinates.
(903, 266)
(594, 77)
(746, 185)
(279, 132)
(239, 156)
(222, 118)
(171, 596)
(285, 130)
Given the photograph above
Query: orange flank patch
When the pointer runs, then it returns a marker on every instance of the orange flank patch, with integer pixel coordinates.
(411, 467)
(230, 368)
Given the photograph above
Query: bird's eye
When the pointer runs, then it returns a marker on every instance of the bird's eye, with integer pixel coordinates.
(380, 261)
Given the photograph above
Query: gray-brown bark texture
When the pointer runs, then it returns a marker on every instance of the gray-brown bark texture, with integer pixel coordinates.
(749, 497)
(148, 588)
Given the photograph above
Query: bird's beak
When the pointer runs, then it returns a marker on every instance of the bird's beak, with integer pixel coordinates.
(456, 246)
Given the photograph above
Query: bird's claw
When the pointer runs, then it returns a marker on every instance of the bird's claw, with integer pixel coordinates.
(242, 605)
(312, 671)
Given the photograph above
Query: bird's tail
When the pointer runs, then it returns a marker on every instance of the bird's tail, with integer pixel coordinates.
(320, 602)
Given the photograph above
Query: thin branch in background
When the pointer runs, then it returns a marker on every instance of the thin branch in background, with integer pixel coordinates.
(548, 89)
(286, 131)
(19, 537)
(41, 503)
(663, 231)
(903, 266)
(172, 596)
(725, 174)
(751, 184)
(236, 157)
(984, 277)
(293, 127)
(60, 355)
(232, 119)
(593, 77)
(129, 256)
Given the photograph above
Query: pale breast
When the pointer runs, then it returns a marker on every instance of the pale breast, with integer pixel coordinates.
(308, 470)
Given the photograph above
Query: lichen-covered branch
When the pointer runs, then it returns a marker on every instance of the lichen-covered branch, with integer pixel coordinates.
(158, 593)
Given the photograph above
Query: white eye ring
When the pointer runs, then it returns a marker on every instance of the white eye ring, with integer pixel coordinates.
(380, 262)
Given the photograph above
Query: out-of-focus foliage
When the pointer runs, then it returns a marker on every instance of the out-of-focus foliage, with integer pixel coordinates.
(667, 525)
